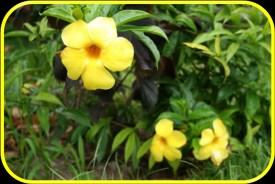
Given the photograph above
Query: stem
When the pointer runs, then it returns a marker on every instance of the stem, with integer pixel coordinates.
(119, 124)
(123, 79)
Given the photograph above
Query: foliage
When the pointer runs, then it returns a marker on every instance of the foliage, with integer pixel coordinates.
(193, 64)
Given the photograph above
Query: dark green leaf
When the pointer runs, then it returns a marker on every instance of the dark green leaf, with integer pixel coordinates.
(186, 21)
(171, 115)
(170, 46)
(103, 142)
(201, 113)
(92, 11)
(252, 104)
(126, 16)
(61, 12)
(148, 42)
(78, 116)
(146, 29)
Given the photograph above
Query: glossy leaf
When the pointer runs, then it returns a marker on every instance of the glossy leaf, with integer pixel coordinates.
(148, 42)
(145, 29)
(126, 16)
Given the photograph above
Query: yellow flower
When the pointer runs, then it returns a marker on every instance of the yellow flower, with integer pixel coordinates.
(213, 144)
(166, 141)
(91, 48)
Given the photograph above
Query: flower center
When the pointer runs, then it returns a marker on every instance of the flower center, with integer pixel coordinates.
(162, 140)
(93, 51)
(215, 140)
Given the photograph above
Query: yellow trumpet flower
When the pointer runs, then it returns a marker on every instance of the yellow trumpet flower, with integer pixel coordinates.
(213, 144)
(92, 48)
(166, 142)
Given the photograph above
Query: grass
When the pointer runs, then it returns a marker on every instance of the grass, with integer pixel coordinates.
(241, 165)
(244, 164)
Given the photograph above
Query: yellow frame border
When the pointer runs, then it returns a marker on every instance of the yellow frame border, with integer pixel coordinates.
(257, 6)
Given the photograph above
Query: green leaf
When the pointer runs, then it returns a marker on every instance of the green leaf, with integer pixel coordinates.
(19, 33)
(218, 45)
(225, 66)
(78, 116)
(171, 115)
(130, 146)
(151, 162)
(43, 117)
(103, 142)
(200, 47)
(186, 21)
(231, 51)
(202, 112)
(146, 29)
(178, 105)
(120, 137)
(77, 13)
(144, 148)
(61, 12)
(203, 37)
(175, 165)
(126, 16)
(47, 97)
(31, 28)
(43, 27)
(196, 144)
(170, 46)
(249, 135)
(227, 113)
(225, 92)
(92, 11)
(149, 44)
(236, 145)
(32, 146)
(92, 132)
(81, 153)
(252, 104)
(265, 45)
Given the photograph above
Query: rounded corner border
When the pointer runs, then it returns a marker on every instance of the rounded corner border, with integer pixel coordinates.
(248, 2)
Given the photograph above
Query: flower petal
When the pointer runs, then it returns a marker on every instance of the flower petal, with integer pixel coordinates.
(176, 139)
(156, 153)
(75, 61)
(164, 127)
(76, 35)
(207, 136)
(102, 31)
(218, 156)
(95, 76)
(220, 129)
(118, 55)
(172, 154)
(204, 152)
(221, 143)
